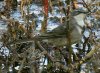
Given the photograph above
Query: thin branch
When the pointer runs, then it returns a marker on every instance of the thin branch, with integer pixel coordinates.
(22, 65)
(41, 48)
(86, 6)
(89, 55)
(52, 59)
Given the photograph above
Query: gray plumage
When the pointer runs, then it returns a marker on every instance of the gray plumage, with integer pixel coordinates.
(59, 35)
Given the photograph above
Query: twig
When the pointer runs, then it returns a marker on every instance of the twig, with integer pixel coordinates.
(52, 59)
(86, 5)
(89, 55)
(22, 65)
(42, 49)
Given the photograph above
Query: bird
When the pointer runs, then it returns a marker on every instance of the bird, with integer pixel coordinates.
(59, 35)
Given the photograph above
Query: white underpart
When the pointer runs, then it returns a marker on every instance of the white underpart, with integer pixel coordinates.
(80, 19)
(79, 30)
